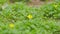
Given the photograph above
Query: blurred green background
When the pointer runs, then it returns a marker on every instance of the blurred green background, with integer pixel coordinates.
(17, 17)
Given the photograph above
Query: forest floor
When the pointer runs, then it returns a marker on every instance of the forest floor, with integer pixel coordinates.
(39, 3)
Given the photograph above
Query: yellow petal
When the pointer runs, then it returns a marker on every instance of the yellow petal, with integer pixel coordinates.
(11, 25)
(29, 16)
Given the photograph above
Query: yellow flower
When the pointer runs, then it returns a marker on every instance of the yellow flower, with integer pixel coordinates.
(55, 6)
(11, 25)
(29, 16)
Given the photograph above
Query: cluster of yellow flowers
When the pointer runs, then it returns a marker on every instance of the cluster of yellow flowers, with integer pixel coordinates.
(11, 25)
(29, 17)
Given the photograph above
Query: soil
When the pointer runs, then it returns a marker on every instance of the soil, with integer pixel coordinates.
(39, 2)
(36, 2)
